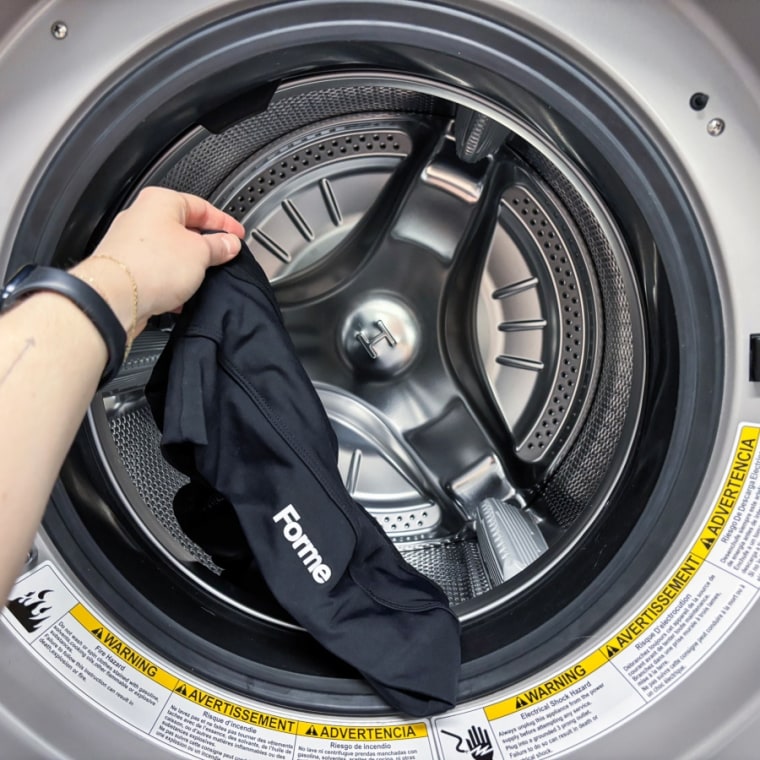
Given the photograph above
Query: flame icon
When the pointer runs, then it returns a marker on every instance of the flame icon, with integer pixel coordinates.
(31, 609)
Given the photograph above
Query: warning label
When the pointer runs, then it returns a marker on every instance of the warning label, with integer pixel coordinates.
(316, 750)
(120, 649)
(406, 741)
(651, 614)
(207, 734)
(545, 690)
(737, 545)
(701, 600)
(689, 614)
(568, 718)
(232, 710)
(365, 733)
(671, 648)
(141, 692)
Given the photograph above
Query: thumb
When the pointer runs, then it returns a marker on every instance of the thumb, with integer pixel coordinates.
(222, 247)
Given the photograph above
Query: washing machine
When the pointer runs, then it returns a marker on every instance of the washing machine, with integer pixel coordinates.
(513, 245)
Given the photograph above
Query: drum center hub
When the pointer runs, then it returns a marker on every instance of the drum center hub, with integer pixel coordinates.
(380, 336)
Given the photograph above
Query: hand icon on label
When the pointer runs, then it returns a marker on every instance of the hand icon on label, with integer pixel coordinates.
(478, 743)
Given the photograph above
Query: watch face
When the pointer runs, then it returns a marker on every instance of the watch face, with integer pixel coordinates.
(12, 286)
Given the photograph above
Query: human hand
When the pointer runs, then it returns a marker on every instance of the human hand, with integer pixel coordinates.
(158, 241)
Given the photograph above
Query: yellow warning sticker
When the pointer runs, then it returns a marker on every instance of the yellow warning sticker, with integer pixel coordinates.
(233, 710)
(667, 594)
(732, 487)
(363, 733)
(546, 689)
(110, 641)
(662, 600)
(208, 701)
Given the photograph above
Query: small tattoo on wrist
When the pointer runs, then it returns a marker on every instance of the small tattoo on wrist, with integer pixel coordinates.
(28, 344)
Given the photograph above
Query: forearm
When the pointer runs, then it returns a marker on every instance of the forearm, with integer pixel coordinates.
(150, 261)
(51, 359)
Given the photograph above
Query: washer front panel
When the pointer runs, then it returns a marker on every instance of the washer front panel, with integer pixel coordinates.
(720, 172)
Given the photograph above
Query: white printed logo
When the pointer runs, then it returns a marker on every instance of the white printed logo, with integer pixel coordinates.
(302, 545)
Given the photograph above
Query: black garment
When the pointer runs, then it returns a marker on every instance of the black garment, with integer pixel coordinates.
(240, 417)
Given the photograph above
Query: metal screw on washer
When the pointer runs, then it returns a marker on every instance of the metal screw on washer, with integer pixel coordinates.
(59, 30)
(715, 127)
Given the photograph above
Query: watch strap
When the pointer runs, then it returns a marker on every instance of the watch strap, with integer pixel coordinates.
(31, 278)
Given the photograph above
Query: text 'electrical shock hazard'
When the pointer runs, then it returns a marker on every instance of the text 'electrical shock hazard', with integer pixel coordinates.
(704, 595)
(744, 455)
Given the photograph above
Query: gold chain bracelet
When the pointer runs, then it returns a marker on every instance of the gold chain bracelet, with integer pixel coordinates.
(133, 327)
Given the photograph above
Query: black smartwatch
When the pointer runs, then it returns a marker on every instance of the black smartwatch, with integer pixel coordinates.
(31, 278)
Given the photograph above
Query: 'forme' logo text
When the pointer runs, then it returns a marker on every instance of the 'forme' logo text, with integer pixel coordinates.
(302, 545)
